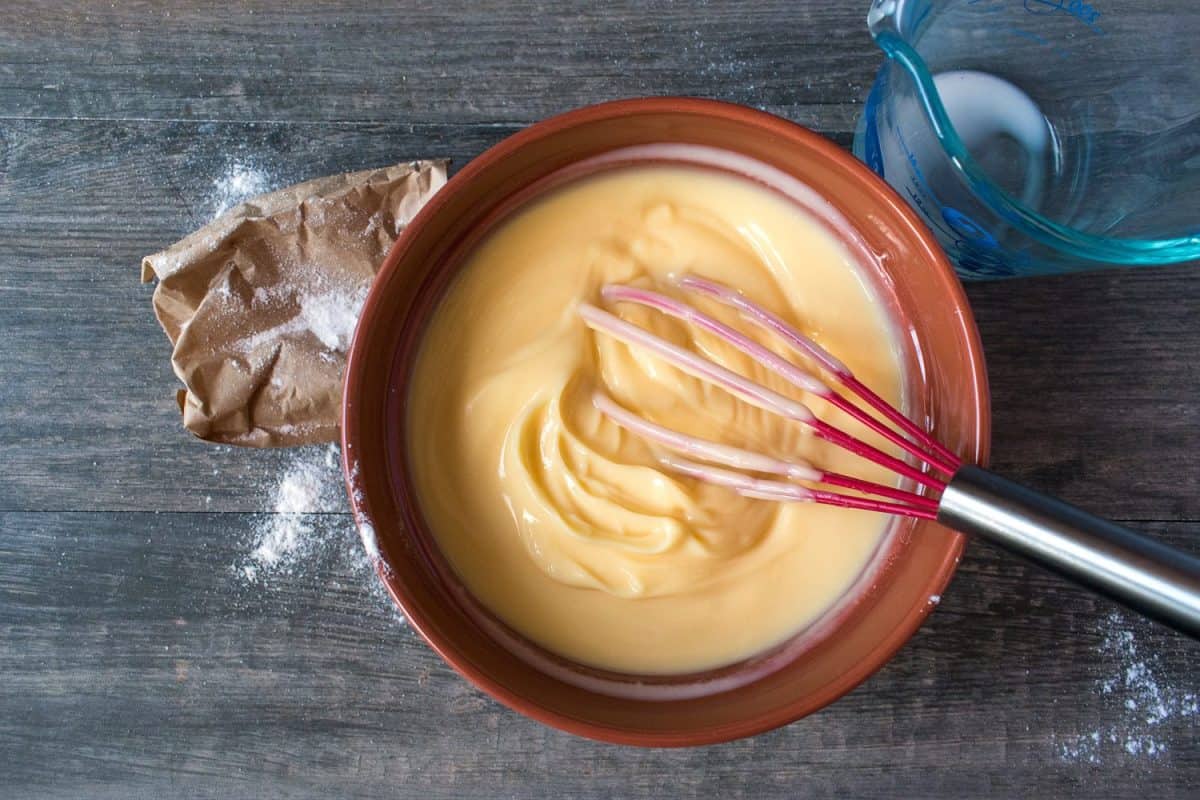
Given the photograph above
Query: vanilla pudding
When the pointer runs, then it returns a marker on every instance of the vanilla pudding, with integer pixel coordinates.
(566, 526)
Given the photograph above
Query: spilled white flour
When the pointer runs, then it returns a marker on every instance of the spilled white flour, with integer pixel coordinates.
(1137, 701)
(309, 525)
(288, 535)
(366, 530)
(332, 316)
(240, 181)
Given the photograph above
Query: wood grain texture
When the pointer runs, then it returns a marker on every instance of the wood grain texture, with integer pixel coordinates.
(457, 61)
(139, 662)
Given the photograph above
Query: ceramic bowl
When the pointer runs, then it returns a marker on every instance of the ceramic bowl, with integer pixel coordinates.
(946, 386)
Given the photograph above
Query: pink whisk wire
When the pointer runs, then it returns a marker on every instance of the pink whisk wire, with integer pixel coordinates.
(727, 455)
(794, 375)
(925, 448)
(949, 462)
(790, 492)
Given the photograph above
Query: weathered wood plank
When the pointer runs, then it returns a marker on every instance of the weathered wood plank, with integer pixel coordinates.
(138, 663)
(458, 61)
(1094, 383)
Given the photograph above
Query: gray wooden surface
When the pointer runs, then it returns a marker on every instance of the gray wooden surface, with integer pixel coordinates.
(137, 661)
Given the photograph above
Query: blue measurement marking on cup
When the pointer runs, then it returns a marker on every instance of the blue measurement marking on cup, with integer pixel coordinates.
(937, 219)
(968, 229)
(1084, 12)
(975, 249)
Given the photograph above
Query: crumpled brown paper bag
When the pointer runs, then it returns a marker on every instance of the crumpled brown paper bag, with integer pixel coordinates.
(260, 304)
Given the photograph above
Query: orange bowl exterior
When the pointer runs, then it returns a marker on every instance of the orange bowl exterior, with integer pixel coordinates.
(947, 385)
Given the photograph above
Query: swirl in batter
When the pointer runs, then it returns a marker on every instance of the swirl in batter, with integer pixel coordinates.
(565, 525)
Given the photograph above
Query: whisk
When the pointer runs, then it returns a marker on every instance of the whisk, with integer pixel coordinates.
(1145, 575)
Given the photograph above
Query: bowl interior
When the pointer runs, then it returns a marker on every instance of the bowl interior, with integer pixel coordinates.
(946, 386)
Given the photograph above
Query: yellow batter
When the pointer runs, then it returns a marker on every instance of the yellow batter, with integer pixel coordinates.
(566, 526)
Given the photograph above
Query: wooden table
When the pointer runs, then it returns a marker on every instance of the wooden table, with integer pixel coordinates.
(135, 659)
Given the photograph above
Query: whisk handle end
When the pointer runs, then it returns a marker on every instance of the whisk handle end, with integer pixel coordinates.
(1135, 570)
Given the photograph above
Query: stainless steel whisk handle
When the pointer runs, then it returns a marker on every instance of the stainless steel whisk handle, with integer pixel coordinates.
(1147, 576)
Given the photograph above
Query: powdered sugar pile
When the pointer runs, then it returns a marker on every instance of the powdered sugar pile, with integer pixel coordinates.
(1148, 703)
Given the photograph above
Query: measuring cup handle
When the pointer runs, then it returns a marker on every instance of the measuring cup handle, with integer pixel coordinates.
(1149, 577)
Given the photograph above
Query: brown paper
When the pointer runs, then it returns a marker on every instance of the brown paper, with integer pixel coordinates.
(260, 304)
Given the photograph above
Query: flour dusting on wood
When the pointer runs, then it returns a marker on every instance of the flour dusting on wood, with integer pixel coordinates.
(288, 535)
(309, 525)
(240, 181)
(1140, 708)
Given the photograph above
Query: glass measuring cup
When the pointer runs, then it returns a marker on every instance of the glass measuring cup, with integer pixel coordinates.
(1040, 136)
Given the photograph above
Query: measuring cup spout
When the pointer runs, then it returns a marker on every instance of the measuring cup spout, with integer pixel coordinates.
(883, 16)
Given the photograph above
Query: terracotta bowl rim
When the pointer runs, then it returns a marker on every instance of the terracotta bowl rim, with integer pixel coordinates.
(886, 198)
